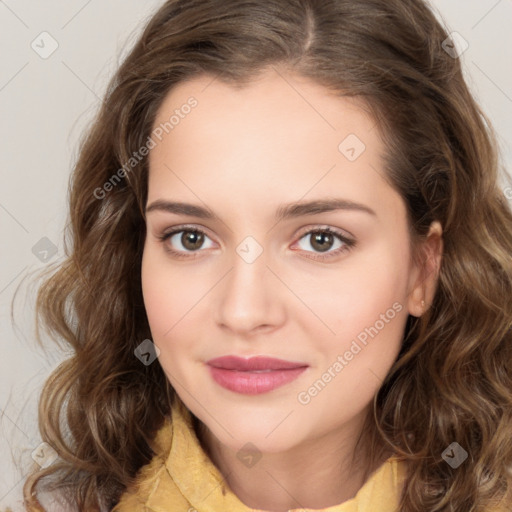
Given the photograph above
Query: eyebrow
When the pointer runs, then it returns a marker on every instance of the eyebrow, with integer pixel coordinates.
(283, 212)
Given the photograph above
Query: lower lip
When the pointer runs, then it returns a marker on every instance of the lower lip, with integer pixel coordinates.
(253, 383)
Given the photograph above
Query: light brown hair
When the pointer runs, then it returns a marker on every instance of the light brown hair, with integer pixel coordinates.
(453, 378)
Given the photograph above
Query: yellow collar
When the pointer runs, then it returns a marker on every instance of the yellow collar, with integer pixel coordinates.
(183, 472)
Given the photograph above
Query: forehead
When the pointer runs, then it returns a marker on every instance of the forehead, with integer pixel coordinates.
(281, 134)
(274, 92)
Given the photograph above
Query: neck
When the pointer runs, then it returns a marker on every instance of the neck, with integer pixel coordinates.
(319, 473)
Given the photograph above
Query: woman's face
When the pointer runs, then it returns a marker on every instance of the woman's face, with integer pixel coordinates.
(257, 170)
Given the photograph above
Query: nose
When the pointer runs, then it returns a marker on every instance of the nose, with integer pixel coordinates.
(250, 298)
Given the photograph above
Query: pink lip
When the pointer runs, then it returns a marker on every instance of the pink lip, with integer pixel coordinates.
(254, 375)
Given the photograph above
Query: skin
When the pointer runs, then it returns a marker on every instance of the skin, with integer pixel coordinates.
(243, 153)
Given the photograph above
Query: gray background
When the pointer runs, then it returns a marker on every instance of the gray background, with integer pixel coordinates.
(45, 105)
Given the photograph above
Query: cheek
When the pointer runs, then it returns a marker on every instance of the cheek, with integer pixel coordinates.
(158, 301)
(371, 316)
(352, 297)
(168, 296)
(167, 292)
(363, 304)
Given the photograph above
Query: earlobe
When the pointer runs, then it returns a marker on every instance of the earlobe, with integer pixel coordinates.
(426, 271)
(416, 304)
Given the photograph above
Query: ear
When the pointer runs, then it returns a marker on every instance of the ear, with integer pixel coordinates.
(423, 282)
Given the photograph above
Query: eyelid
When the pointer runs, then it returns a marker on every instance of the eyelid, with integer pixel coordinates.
(325, 227)
(185, 227)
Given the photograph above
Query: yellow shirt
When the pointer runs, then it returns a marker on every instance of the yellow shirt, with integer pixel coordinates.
(182, 477)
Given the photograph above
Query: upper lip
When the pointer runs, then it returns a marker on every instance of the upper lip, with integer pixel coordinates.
(253, 363)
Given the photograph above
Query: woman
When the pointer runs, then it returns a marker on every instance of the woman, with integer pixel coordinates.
(294, 206)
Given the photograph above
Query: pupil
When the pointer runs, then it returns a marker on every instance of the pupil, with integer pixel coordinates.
(322, 241)
(192, 240)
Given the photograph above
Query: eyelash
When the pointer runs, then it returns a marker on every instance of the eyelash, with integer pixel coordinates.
(349, 244)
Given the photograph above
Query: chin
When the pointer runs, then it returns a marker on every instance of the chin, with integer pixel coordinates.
(267, 436)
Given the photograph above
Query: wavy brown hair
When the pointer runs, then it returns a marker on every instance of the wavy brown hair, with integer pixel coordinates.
(452, 380)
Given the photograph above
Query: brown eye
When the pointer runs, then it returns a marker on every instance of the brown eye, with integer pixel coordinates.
(322, 241)
(192, 240)
(183, 242)
(325, 243)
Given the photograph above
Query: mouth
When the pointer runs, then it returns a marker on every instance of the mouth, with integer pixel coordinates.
(257, 364)
(255, 375)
